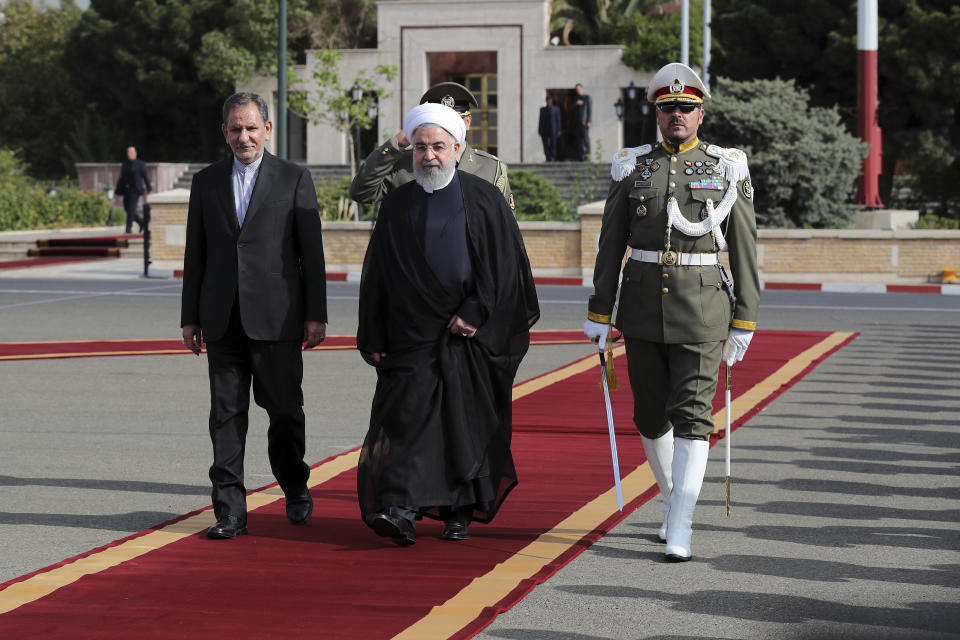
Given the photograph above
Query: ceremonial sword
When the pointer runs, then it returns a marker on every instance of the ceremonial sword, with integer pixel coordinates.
(613, 438)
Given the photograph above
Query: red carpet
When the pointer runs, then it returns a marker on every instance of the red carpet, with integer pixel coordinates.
(334, 579)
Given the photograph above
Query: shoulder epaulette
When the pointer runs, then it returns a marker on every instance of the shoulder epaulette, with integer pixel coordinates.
(732, 162)
(625, 160)
(481, 152)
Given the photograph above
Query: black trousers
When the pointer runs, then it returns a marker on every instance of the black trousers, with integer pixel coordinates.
(550, 147)
(130, 199)
(276, 369)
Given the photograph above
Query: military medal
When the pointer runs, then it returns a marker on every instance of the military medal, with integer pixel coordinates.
(655, 165)
(641, 211)
(645, 174)
(688, 171)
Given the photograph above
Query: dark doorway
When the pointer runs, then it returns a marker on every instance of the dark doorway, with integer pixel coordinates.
(477, 71)
(639, 121)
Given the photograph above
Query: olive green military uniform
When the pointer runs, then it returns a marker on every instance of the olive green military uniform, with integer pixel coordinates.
(388, 167)
(674, 318)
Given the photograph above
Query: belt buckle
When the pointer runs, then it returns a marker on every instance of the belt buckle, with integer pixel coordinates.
(669, 258)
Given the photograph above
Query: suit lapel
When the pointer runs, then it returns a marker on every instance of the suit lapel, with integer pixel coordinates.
(261, 188)
(225, 194)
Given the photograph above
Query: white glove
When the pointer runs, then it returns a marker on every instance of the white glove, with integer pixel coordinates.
(736, 347)
(597, 331)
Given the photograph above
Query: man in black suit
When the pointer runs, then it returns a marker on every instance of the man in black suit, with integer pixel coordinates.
(549, 128)
(582, 113)
(132, 183)
(254, 289)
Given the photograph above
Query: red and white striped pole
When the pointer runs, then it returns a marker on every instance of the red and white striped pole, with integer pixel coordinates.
(868, 127)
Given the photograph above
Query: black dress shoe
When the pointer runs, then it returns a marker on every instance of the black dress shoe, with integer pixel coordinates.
(227, 527)
(300, 508)
(401, 530)
(456, 530)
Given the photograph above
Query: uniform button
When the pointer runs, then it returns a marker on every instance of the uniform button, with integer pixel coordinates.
(673, 184)
(643, 198)
(673, 171)
(665, 290)
(666, 275)
(673, 158)
(672, 199)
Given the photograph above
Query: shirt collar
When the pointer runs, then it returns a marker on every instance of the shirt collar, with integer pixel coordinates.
(240, 168)
(686, 146)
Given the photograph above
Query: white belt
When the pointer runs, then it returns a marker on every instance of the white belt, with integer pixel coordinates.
(684, 259)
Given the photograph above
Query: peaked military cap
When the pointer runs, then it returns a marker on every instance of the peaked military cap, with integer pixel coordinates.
(456, 96)
(677, 82)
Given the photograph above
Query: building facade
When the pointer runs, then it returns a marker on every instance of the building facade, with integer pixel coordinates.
(501, 51)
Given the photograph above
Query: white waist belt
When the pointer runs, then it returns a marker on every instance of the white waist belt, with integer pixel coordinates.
(684, 259)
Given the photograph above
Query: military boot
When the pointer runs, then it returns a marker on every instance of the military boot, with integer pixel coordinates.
(660, 456)
(689, 465)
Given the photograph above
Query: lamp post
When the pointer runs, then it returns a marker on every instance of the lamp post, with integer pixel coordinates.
(356, 95)
(645, 110)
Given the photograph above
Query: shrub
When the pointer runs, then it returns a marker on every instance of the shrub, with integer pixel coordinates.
(333, 197)
(931, 221)
(537, 198)
(24, 205)
(803, 162)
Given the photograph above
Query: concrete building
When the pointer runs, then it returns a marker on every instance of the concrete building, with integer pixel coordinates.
(502, 51)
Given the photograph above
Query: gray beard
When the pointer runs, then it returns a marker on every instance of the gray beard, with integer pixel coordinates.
(432, 179)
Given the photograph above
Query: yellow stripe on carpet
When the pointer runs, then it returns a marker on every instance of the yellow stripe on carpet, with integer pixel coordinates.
(43, 584)
(450, 617)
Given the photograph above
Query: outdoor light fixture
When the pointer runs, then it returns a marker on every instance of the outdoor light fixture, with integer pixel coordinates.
(618, 107)
(631, 92)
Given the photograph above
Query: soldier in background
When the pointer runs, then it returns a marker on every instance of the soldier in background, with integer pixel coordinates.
(676, 206)
(391, 164)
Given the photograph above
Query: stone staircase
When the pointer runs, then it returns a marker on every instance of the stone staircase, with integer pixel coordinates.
(588, 181)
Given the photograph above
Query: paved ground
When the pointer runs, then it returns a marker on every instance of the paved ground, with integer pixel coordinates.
(845, 522)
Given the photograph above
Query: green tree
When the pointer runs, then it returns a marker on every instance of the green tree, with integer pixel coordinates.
(803, 162)
(331, 102)
(157, 71)
(656, 38)
(37, 94)
(814, 42)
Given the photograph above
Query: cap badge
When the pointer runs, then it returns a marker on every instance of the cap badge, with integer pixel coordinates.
(676, 87)
(448, 101)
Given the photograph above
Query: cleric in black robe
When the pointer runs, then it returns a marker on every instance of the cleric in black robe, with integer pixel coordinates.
(446, 303)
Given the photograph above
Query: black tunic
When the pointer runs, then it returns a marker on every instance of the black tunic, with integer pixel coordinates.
(440, 425)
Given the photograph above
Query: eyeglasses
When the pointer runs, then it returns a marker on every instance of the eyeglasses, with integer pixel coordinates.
(438, 147)
(685, 107)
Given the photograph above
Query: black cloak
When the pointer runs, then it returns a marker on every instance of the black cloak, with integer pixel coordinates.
(440, 424)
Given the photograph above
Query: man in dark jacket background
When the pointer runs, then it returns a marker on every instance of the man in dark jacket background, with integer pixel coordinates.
(133, 183)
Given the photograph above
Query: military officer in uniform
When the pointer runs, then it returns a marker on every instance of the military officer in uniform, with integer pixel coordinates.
(391, 164)
(675, 207)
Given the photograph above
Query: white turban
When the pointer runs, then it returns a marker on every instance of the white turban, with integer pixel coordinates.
(438, 114)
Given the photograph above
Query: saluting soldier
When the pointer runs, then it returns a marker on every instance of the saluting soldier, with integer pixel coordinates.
(676, 206)
(391, 164)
